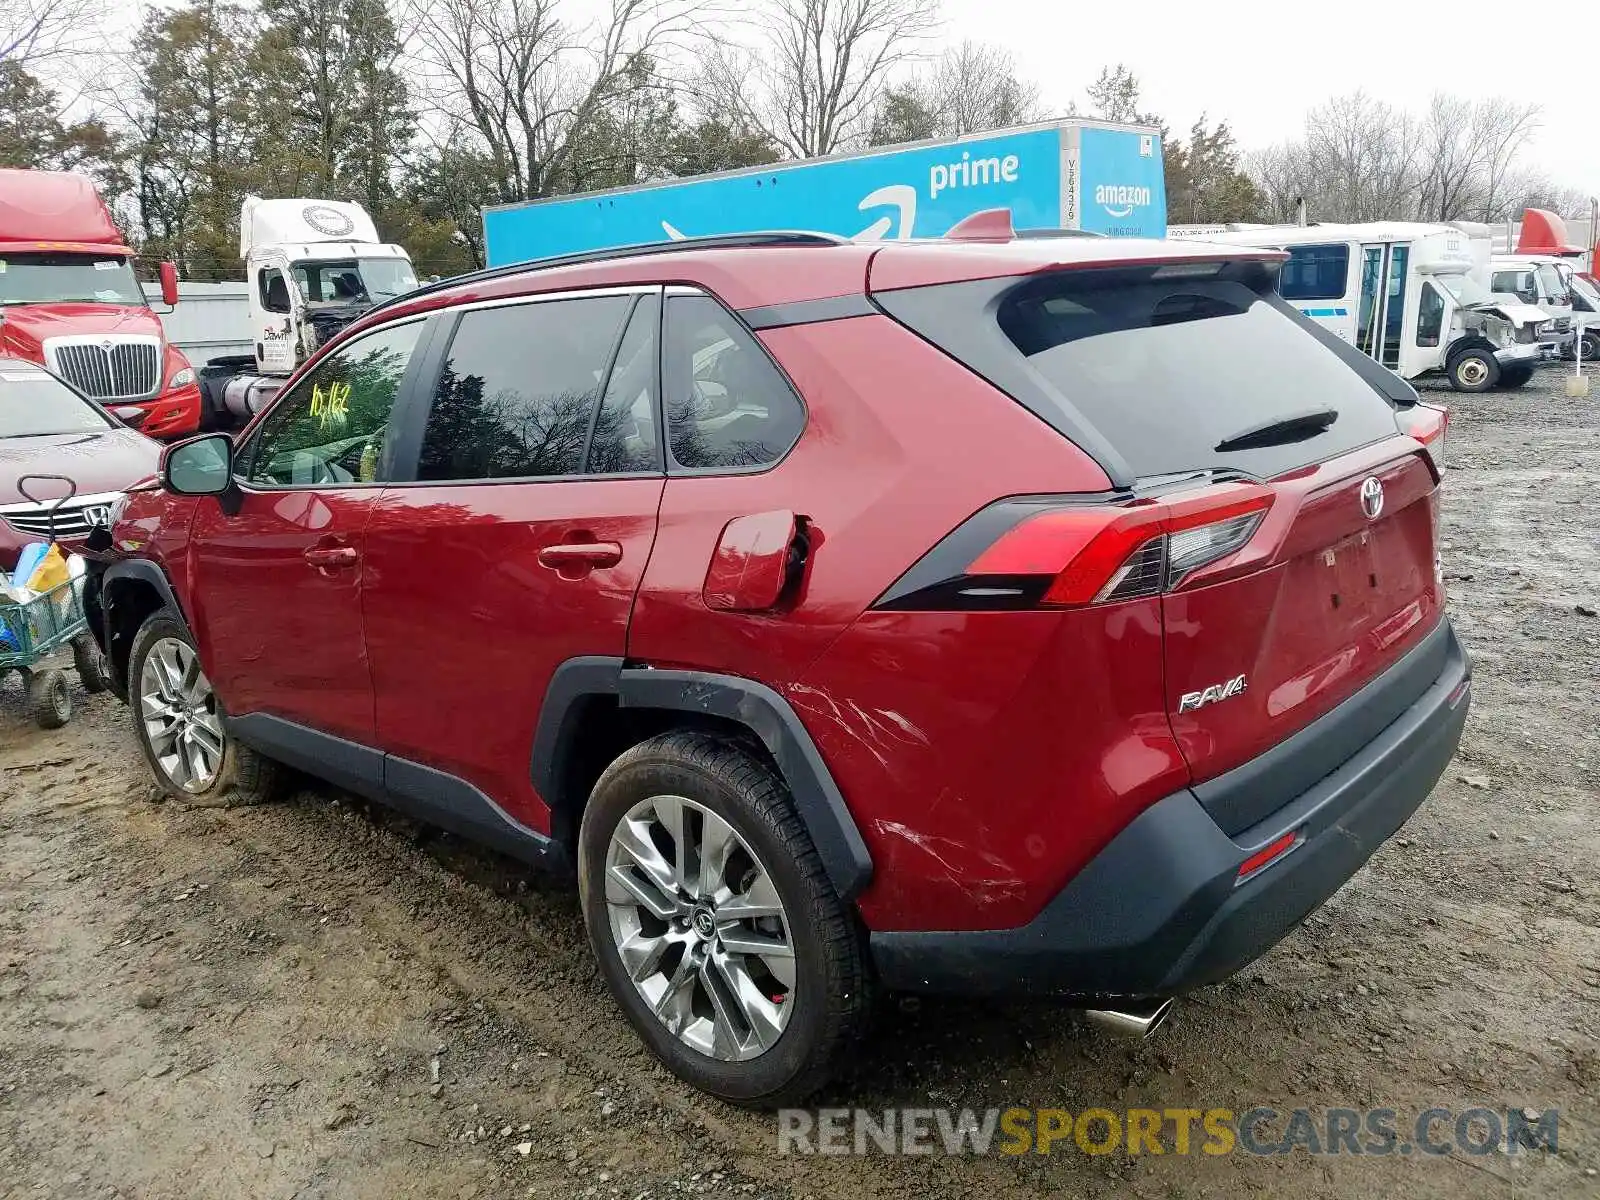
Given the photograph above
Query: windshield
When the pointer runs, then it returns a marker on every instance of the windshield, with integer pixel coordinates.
(354, 281)
(1582, 287)
(1464, 289)
(33, 403)
(1552, 286)
(58, 278)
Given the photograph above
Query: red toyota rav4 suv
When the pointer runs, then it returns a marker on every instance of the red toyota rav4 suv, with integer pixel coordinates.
(975, 615)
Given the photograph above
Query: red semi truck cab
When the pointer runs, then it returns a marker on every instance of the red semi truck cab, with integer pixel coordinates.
(70, 301)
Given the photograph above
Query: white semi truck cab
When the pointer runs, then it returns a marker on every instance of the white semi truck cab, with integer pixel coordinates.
(312, 267)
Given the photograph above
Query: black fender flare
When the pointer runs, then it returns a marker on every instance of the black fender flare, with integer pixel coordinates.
(1467, 342)
(99, 600)
(758, 708)
(143, 571)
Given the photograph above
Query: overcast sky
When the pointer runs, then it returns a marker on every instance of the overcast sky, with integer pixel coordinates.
(1260, 65)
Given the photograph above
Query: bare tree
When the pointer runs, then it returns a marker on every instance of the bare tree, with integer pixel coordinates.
(33, 32)
(1363, 160)
(813, 81)
(1500, 127)
(970, 88)
(528, 82)
(980, 90)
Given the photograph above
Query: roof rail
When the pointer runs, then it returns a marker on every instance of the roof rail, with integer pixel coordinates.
(720, 241)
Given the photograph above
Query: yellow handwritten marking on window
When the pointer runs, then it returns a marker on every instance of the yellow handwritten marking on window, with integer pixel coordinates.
(331, 406)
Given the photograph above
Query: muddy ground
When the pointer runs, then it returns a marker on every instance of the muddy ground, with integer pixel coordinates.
(315, 1000)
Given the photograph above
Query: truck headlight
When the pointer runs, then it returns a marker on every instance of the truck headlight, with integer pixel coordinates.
(181, 378)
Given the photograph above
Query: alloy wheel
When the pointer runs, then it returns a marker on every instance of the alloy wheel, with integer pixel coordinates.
(699, 927)
(179, 715)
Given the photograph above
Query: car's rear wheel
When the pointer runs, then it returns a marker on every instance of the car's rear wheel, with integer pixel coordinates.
(180, 723)
(1515, 377)
(714, 922)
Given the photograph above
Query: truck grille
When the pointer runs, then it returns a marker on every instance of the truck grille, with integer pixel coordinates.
(1562, 325)
(74, 519)
(108, 368)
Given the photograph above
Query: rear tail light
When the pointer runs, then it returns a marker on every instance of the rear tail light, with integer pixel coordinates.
(1056, 554)
(1428, 425)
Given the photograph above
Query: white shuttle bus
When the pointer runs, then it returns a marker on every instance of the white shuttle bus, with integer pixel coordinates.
(1412, 296)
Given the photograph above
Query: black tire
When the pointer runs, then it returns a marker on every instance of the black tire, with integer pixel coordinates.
(1515, 377)
(49, 698)
(243, 776)
(1473, 371)
(90, 664)
(1591, 347)
(832, 988)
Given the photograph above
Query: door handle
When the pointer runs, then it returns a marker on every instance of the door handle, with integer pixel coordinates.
(332, 557)
(568, 556)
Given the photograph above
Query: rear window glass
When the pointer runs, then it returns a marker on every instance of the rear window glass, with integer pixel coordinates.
(1167, 372)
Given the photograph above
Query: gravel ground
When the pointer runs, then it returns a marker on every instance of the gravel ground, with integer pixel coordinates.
(313, 999)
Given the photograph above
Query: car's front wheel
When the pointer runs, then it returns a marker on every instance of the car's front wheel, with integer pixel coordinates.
(1473, 371)
(714, 922)
(180, 724)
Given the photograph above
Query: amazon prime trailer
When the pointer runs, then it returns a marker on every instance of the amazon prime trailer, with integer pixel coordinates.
(1083, 175)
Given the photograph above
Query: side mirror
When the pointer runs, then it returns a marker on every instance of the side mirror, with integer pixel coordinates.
(201, 466)
(169, 284)
(130, 415)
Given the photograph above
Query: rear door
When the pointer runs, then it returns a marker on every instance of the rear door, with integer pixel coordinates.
(520, 539)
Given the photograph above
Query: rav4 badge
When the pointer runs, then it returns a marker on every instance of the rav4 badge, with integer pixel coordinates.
(1212, 694)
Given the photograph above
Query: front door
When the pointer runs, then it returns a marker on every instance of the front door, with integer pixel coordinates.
(520, 541)
(277, 584)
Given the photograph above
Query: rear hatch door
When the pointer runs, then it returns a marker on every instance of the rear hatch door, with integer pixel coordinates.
(1182, 375)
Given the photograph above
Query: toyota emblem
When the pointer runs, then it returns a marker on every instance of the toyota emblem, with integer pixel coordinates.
(1371, 497)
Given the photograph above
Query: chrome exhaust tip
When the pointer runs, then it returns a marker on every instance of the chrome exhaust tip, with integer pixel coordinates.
(1137, 1019)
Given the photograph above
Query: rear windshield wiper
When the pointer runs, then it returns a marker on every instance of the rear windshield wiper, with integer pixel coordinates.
(1296, 427)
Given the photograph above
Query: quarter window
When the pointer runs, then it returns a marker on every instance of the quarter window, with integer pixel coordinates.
(728, 407)
(518, 390)
(330, 430)
(1315, 273)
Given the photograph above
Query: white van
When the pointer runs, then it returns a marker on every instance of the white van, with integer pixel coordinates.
(1585, 320)
(1410, 295)
(1539, 279)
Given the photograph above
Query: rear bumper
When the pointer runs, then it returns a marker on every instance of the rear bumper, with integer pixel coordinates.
(1161, 909)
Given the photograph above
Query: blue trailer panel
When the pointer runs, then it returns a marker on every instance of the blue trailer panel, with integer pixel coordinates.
(1074, 175)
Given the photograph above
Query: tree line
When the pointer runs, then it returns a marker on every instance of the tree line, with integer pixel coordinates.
(426, 110)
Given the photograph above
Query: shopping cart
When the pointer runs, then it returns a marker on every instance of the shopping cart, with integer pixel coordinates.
(34, 631)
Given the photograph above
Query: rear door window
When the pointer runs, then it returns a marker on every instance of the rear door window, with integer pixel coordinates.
(518, 391)
(1167, 372)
